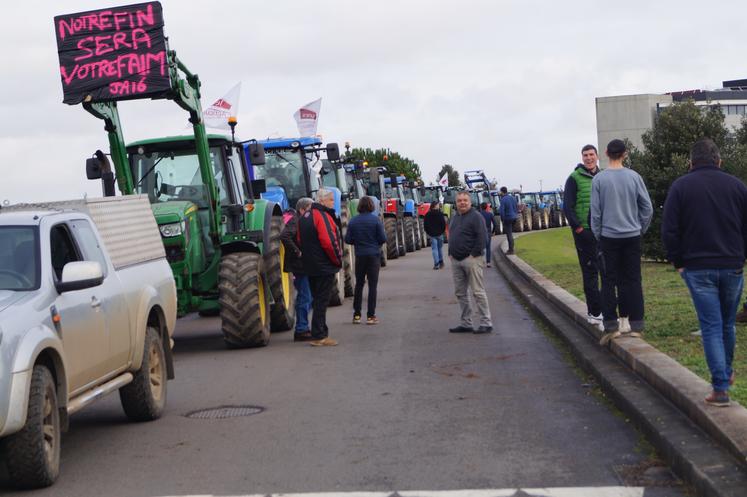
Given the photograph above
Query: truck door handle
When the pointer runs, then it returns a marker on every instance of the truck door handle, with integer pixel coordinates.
(95, 302)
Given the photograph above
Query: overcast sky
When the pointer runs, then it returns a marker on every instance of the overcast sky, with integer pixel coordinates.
(504, 86)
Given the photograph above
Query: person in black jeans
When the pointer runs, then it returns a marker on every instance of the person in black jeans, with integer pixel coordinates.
(576, 206)
(321, 252)
(366, 233)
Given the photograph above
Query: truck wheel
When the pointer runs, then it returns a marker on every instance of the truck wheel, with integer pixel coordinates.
(283, 310)
(390, 228)
(32, 455)
(409, 235)
(144, 398)
(244, 300)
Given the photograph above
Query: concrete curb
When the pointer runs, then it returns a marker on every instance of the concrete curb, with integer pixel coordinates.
(685, 390)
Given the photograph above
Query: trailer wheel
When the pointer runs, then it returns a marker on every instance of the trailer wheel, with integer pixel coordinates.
(244, 300)
(32, 455)
(283, 310)
(390, 228)
(144, 398)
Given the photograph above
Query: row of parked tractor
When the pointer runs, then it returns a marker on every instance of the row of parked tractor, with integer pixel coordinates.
(537, 210)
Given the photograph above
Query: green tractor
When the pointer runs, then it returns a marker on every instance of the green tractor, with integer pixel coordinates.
(222, 241)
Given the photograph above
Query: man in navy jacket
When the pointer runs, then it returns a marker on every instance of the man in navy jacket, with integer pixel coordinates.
(705, 234)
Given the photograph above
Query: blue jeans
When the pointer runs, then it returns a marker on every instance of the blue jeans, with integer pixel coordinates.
(487, 247)
(716, 294)
(303, 302)
(437, 248)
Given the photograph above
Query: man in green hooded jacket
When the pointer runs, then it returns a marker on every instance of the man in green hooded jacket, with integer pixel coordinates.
(576, 207)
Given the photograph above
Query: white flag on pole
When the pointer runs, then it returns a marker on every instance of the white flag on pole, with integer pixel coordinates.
(216, 116)
(307, 118)
(444, 181)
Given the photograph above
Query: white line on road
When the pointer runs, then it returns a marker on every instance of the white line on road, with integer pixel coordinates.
(506, 492)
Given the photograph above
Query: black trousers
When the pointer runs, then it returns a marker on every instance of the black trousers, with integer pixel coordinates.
(321, 291)
(620, 259)
(586, 247)
(366, 268)
(508, 229)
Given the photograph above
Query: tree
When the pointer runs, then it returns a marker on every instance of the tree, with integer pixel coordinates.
(665, 157)
(395, 163)
(453, 175)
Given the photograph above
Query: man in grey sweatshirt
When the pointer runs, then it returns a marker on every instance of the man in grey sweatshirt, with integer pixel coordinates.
(621, 212)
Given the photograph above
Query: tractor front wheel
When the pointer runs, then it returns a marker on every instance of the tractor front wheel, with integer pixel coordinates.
(390, 228)
(283, 311)
(244, 300)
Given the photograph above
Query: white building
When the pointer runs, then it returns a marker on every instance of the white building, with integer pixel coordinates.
(629, 116)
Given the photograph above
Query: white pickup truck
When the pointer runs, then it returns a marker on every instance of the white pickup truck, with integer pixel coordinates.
(87, 306)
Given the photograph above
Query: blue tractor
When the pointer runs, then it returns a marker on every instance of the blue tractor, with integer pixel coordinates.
(293, 168)
(406, 210)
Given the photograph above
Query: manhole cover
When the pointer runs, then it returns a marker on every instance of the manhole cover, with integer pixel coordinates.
(225, 412)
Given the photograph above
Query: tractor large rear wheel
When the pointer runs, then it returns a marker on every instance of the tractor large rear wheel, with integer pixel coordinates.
(528, 225)
(424, 236)
(348, 254)
(244, 300)
(402, 247)
(409, 235)
(337, 297)
(283, 311)
(390, 228)
(536, 220)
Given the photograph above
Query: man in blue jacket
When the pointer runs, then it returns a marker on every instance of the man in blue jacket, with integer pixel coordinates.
(704, 230)
(509, 212)
(366, 233)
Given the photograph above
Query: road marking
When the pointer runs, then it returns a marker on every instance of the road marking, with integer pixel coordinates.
(505, 492)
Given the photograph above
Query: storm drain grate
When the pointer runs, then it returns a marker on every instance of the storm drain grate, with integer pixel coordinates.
(225, 412)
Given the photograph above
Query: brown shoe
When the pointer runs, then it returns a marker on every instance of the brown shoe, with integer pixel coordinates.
(324, 342)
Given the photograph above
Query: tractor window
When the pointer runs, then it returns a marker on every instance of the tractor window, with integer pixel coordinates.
(19, 258)
(175, 175)
(284, 168)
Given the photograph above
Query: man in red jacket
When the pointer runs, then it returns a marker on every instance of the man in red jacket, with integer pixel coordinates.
(321, 253)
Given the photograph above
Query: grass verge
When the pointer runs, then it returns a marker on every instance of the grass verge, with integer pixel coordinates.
(670, 315)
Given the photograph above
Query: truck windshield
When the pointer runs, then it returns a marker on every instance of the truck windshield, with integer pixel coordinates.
(175, 175)
(284, 168)
(19, 258)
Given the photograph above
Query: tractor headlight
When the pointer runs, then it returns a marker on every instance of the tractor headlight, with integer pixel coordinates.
(171, 230)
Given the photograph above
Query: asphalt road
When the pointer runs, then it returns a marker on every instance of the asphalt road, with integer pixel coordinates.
(399, 406)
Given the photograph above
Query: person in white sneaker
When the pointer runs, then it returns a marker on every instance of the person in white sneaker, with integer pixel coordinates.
(576, 205)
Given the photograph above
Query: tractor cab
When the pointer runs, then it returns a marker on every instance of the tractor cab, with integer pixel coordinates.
(292, 169)
(168, 171)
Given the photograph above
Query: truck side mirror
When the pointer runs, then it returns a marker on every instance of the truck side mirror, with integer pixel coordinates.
(333, 151)
(79, 275)
(93, 168)
(258, 187)
(256, 154)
